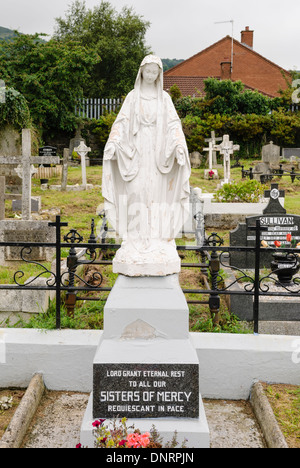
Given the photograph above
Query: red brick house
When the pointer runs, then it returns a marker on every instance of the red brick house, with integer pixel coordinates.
(228, 59)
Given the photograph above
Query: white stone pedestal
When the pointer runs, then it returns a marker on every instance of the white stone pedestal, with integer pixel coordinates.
(146, 368)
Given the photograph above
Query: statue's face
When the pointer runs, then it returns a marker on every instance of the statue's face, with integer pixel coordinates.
(150, 73)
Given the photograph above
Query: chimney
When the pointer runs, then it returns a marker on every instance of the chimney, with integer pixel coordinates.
(247, 37)
(225, 70)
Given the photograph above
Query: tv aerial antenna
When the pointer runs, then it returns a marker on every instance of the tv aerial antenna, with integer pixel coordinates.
(232, 26)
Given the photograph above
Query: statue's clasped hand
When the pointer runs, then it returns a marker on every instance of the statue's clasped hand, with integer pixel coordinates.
(109, 151)
(180, 156)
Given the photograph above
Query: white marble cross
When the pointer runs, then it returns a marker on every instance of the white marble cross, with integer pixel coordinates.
(26, 161)
(213, 156)
(82, 150)
(227, 148)
(210, 150)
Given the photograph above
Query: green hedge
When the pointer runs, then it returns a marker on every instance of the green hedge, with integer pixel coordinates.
(250, 131)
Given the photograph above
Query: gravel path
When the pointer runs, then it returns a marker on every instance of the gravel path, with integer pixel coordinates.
(58, 420)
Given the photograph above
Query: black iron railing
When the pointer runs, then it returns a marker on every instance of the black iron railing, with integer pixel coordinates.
(213, 257)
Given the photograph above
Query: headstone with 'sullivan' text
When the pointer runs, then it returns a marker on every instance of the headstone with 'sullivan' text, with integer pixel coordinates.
(278, 224)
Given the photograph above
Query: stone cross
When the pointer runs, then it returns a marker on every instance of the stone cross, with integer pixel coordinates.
(227, 148)
(64, 179)
(211, 151)
(26, 161)
(82, 150)
(214, 141)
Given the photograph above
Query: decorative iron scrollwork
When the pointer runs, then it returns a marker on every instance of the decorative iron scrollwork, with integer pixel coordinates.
(26, 251)
(73, 237)
(96, 278)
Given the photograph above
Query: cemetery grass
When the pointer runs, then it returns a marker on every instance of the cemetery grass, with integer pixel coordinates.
(285, 403)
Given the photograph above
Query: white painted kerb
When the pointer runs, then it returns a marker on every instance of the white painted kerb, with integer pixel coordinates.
(229, 363)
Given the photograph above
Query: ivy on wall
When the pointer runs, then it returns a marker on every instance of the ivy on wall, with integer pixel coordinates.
(14, 110)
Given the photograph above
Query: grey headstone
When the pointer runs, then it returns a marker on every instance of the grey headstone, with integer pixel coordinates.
(26, 231)
(196, 217)
(10, 145)
(288, 152)
(271, 154)
(260, 169)
(36, 205)
(196, 159)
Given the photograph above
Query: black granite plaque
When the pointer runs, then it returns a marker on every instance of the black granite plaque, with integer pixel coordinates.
(48, 151)
(146, 391)
(277, 224)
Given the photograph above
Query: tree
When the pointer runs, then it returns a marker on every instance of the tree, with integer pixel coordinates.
(50, 75)
(175, 92)
(230, 97)
(118, 38)
(170, 63)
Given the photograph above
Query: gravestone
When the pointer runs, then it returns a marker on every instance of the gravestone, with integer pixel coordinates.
(195, 225)
(210, 173)
(25, 169)
(36, 205)
(64, 178)
(196, 159)
(82, 150)
(278, 223)
(12, 230)
(210, 150)
(271, 154)
(226, 148)
(25, 229)
(287, 153)
(261, 168)
(10, 146)
(212, 141)
(48, 151)
(146, 368)
(76, 141)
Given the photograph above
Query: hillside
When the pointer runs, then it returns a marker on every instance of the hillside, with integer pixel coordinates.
(6, 34)
(170, 63)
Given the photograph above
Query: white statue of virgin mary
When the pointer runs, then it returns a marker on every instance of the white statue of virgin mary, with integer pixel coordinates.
(146, 171)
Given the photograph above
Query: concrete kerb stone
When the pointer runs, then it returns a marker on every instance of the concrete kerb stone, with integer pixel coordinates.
(22, 418)
(25, 412)
(266, 418)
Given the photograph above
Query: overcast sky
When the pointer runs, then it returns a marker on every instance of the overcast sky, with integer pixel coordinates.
(182, 28)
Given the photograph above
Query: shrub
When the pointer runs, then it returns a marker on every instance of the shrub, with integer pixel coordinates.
(249, 191)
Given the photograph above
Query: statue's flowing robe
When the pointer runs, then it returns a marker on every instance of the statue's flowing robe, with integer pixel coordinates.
(143, 177)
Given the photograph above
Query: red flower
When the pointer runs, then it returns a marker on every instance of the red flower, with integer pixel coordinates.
(78, 446)
(98, 423)
(122, 443)
(277, 244)
(211, 173)
(289, 237)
